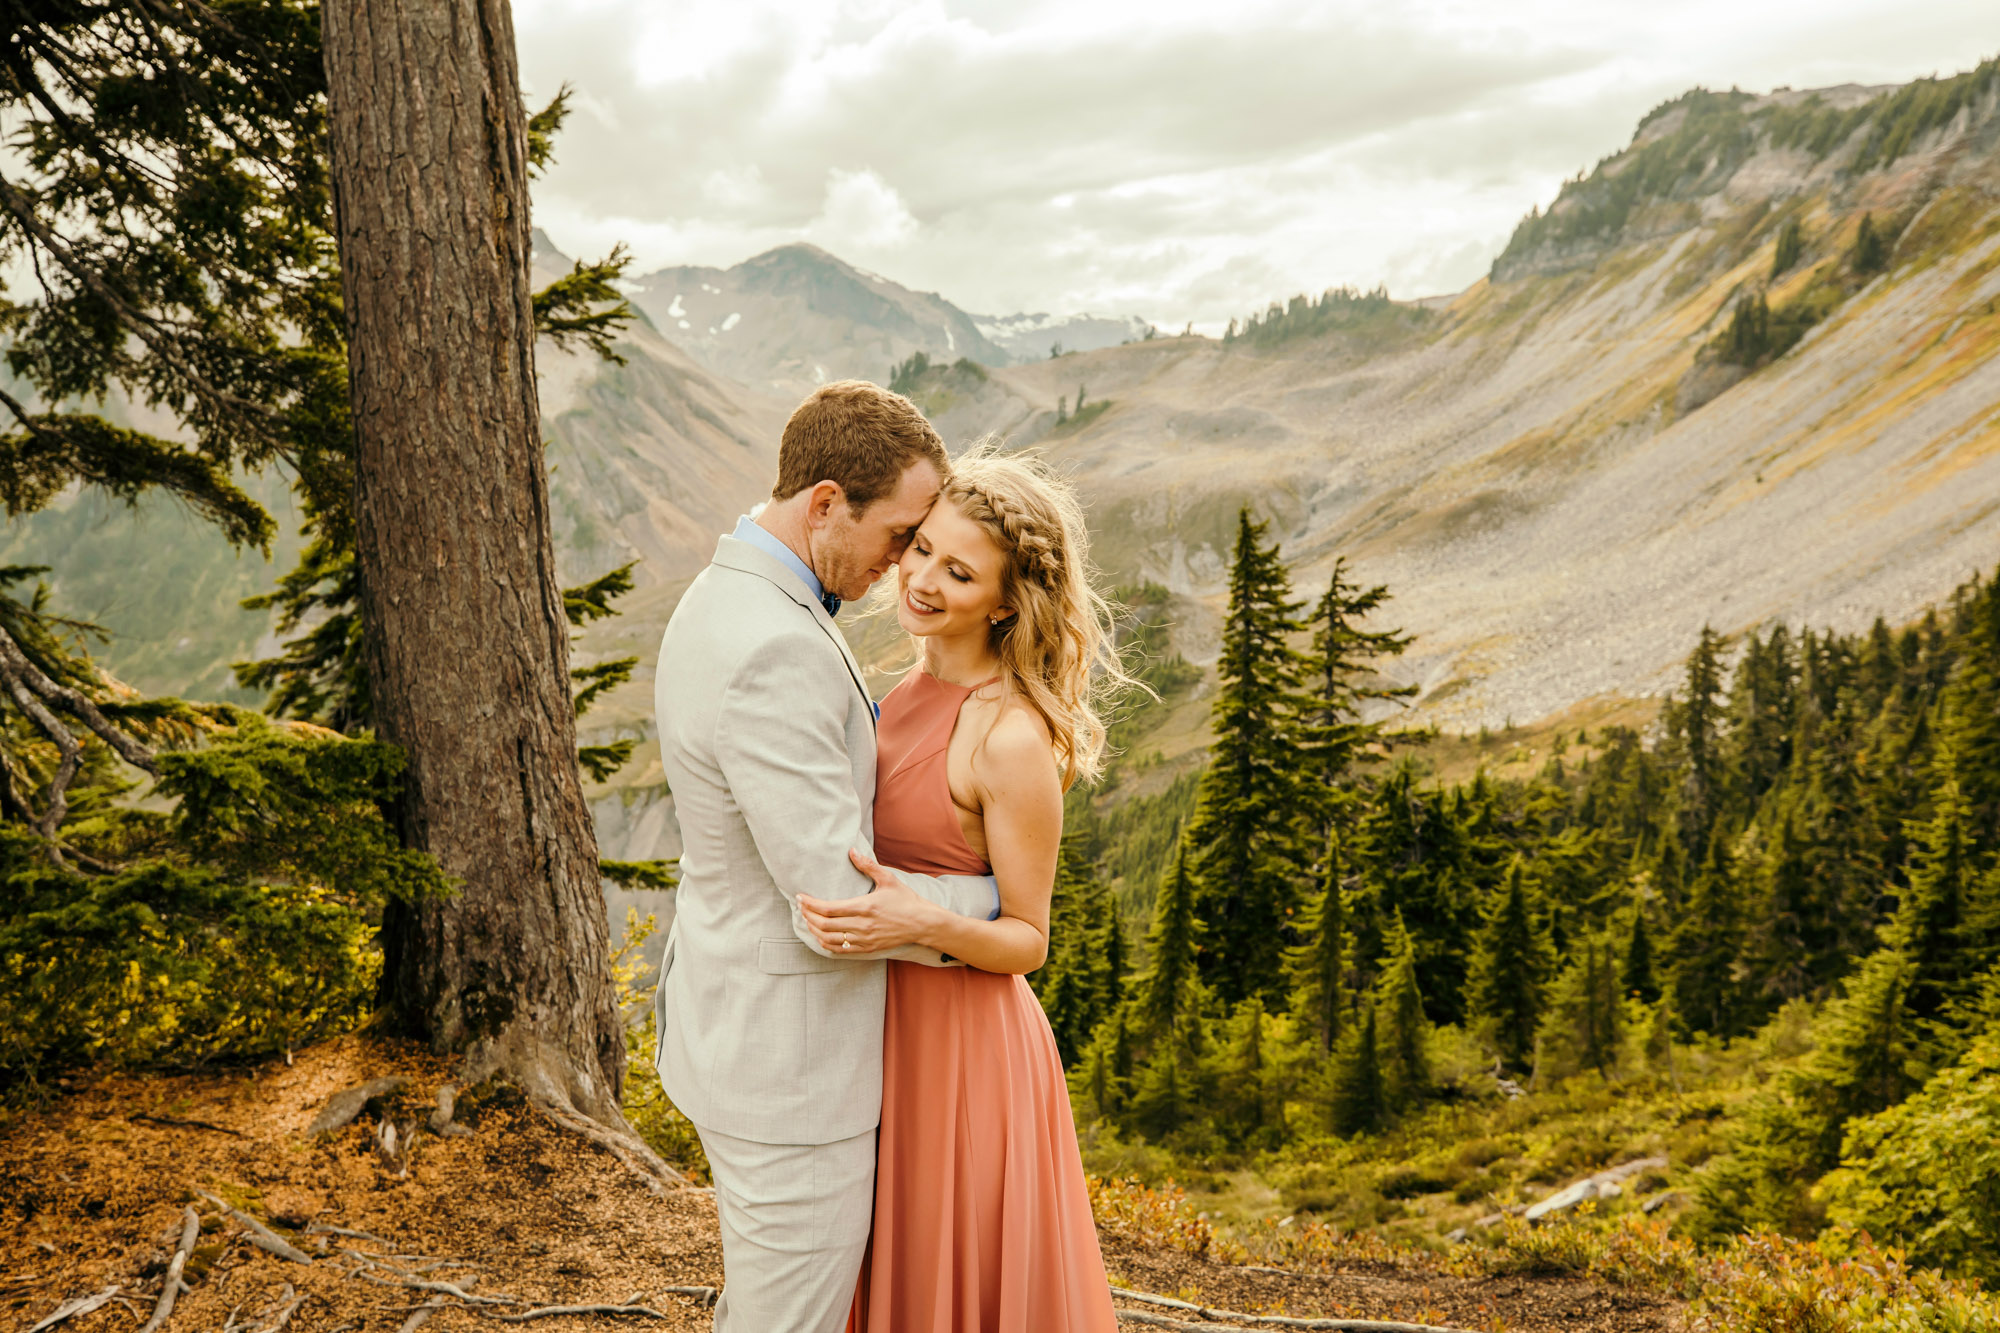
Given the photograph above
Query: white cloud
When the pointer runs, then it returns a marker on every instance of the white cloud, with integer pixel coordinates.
(1164, 157)
(862, 214)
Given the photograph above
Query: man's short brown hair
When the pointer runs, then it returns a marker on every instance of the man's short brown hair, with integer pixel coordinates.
(858, 434)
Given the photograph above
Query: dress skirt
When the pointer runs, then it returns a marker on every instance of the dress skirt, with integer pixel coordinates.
(982, 1213)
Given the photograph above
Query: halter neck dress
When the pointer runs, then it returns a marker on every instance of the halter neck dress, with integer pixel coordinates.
(982, 1215)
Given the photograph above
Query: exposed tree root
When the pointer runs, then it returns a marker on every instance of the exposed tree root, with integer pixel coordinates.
(289, 1302)
(260, 1235)
(177, 1123)
(1257, 1320)
(422, 1313)
(79, 1305)
(621, 1142)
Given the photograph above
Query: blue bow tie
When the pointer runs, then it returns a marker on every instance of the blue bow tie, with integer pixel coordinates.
(830, 602)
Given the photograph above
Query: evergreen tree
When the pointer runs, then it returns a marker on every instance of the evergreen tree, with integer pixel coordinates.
(1250, 1107)
(1319, 966)
(1173, 1090)
(1870, 254)
(1172, 946)
(1705, 947)
(1670, 874)
(1790, 244)
(1108, 957)
(1360, 1101)
(1342, 676)
(1510, 971)
(1405, 1054)
(1247, 828)
(1791, 921)
(1860, 1064)
(1695, 723)
(1638, 978)
(1101, 1083)
(1581, 1029)
(1930, 926)
(1073, 986)
(1417, 859)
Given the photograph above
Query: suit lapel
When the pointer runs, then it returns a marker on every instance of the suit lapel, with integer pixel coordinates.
(733, 554)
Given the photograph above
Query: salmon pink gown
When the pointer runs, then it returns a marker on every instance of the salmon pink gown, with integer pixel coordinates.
(982, 1216)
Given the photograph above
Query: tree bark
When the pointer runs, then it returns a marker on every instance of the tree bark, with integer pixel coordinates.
(467, 644)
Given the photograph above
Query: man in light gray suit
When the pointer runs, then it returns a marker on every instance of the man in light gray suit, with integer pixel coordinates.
(771, 1046)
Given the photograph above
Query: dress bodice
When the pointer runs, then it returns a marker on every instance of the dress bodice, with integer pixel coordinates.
(916, 823)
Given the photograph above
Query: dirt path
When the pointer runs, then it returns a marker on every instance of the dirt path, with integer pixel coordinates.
(93, 1192)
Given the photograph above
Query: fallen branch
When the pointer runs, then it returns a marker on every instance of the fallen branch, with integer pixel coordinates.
(442, 1288)
(178, 1123)
(393, 1262)
(422, 1313)
(260, 1235)
(1261, 1320)
(705, 1295)
(292, 1301)
(322, 1229)
(544, 1311)
(76, 1306)
(170, 1290)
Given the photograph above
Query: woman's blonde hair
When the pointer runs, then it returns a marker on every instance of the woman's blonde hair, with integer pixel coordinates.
(1057, 651)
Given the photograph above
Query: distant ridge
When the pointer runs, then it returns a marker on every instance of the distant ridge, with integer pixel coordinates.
(796, 316)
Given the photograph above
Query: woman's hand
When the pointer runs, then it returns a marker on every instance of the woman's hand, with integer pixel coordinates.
(889, 917)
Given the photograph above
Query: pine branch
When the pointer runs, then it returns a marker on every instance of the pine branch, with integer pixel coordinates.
(53, 449)
(583, 307)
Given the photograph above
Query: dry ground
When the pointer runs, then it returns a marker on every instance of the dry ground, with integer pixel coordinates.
(93, 1187)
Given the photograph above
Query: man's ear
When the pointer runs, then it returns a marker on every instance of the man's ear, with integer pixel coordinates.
(820, 501)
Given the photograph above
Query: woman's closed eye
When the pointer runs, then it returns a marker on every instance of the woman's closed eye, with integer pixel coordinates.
(922, 548)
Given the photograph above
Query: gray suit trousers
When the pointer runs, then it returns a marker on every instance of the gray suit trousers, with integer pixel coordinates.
(795, 1221)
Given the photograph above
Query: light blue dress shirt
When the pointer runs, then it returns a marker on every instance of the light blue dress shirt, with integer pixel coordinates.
(749, 530)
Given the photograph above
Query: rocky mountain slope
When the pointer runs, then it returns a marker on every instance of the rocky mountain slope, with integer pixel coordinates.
(1563, 474)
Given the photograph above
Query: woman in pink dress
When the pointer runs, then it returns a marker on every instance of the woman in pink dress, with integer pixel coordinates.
(982, 1216)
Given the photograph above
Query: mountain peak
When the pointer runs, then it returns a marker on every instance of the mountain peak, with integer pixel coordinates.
(1704, 148)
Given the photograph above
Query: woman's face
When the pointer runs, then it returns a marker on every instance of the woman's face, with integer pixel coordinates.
(948, 580)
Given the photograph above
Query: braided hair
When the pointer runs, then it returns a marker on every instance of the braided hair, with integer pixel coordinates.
(1057, 650)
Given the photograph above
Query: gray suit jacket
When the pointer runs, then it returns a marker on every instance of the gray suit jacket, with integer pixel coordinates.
(768, 740)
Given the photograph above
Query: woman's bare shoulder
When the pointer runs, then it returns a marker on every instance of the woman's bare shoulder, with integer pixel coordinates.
(1017, 744)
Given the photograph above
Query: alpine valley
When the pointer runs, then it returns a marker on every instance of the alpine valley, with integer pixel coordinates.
(1743, 372)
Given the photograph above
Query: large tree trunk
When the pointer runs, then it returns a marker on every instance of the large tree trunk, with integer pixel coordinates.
(468, 647)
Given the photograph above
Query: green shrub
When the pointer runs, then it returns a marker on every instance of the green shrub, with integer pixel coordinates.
(646, 1104)
(240, 923)
(1477, 1187)
(172, 962)
(1927, 1172)
(1410, 1180)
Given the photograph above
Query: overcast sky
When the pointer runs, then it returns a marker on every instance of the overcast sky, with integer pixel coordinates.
(1171, 159)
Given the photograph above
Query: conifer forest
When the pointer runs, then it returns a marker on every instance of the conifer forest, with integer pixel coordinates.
(1688, 1006)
